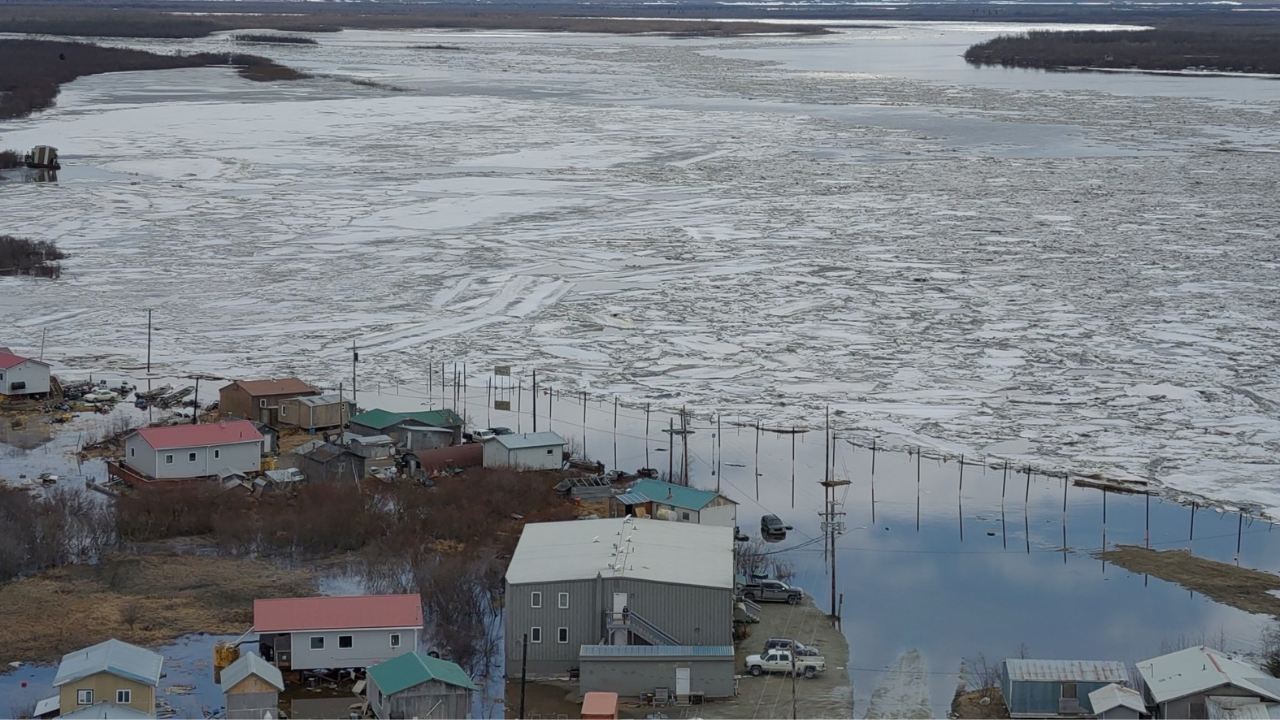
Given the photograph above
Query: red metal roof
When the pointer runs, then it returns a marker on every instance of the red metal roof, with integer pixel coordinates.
(8, 360)
(181, 436)
(337, 613)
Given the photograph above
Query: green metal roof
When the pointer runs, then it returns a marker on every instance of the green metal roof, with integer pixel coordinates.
(415, 668)
(680, 496)
(381, 419)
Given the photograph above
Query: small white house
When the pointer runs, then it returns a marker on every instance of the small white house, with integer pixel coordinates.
(22, 376)
(525, 451)
(191, 451)
(353, 631)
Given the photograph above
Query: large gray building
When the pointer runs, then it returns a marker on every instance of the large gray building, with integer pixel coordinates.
(621, 582)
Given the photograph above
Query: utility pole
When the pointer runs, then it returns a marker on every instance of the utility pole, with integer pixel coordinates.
(535, 401)
(832, 517)
(355, 357)
(44, 334)
(671, 449)
(793, 681)
(684, 447)
(148, 341)
(195, 404)
(524, 665)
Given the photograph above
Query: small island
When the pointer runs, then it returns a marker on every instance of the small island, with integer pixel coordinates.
(1228, 49)
(31, 71)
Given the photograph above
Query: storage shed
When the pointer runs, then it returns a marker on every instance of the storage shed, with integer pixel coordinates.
(1117, 702)
(416, 685)
(600, 706)
(634, 670)
(525, 451)
(1055, 688)
(252, 687)
(315, 412)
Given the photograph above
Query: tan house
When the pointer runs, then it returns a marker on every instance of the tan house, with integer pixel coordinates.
(259, 400)
(111, 673)
(252, 687)
(315, 412)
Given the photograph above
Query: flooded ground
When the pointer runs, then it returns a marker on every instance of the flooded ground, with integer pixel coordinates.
(954, 257)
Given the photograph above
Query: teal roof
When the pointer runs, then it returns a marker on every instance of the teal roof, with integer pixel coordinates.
(381, 419)
(680, 496)
(415, 668)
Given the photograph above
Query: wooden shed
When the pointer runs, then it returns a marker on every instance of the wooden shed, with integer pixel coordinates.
(416, 685)
(252, 687)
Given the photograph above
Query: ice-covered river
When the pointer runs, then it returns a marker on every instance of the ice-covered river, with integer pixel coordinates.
(1083, 265)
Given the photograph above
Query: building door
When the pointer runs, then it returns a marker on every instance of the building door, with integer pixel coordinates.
(682, 681)
(620, 637)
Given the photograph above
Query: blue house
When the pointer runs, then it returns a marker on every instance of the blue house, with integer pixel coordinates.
(1056, 688)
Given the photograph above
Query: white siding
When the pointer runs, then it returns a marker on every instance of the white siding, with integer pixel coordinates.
(34, 374)
(721, 515)
(139, 455)
(368, 647)
(534, 458)
(245, 457)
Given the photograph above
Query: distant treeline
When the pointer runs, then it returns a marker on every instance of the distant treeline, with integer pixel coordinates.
(97, 21)
(1231, 49)
(32, 70)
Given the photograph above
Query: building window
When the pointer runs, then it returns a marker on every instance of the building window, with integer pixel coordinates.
(395, 640)
(84, 697)
(124, 697)
(535, 599)
(317, 643)
(1068, 690)
(133, 452)
(551, 451)
(563, 601)
(344, 642)
(217, 454)
(284, 410)
(262, 403)
(168, 459)
(191, 457)
(563, 636)
(535, 635)
(684, 516)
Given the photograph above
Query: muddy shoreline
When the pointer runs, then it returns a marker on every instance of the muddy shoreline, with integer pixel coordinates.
(1241, 588)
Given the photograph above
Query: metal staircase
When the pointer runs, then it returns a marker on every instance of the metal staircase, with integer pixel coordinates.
(639, 627)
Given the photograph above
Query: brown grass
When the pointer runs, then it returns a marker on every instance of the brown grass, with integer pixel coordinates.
(1238, 587)
(55, 612)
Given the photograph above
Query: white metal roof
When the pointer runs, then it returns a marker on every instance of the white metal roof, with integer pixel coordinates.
(47, 705)
(530, 440)
(111, 656)
(318, 400)
(1240, 708)
(1108, 671)
(1198, 669)
(657, 550)
(251, 664)
(1112, 696)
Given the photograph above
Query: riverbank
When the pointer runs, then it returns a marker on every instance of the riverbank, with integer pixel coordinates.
(1217, 48)
(33, 71)
(1242, 588)
(147, 600)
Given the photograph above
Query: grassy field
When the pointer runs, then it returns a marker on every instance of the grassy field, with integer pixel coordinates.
(147, 600)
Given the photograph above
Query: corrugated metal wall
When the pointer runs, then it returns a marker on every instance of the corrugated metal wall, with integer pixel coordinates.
(692, 615)
(630, 677)
(1042, 697)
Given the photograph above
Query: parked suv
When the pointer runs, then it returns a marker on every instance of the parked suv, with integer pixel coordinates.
(773, 525)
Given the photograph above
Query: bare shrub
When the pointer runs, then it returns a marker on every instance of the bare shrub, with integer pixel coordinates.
(1270, 648)
(983, 674)
(131, 613)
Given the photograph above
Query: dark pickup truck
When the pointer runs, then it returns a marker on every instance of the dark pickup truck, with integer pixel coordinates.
(772, 591)
(773, 525)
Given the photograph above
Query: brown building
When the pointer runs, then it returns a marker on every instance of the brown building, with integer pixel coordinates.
(259, 400)
(315, 412)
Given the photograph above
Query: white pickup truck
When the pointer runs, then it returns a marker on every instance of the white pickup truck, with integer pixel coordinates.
(779, 661)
